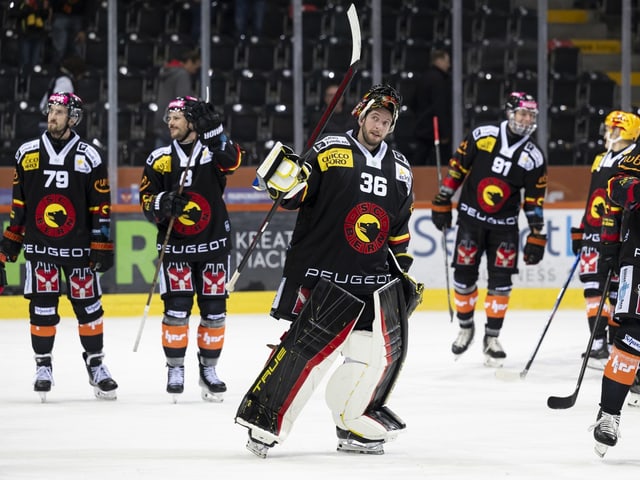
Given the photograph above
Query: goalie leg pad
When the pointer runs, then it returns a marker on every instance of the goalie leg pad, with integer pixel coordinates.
(358, 389)
(299, 363)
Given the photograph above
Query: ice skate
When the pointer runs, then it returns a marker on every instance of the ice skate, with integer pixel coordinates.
(44, 376)
(599, 354)
(493, 352)
(605, 431)
(104, 387)
(212, 387)
(633, 399)
(463, 340)
(349, 442)
(258, 448)
(175, 381)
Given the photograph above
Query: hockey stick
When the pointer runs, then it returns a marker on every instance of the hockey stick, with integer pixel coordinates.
(317, 131)
(561, 403)
(513, 375)
(161, 257)
(436, 144)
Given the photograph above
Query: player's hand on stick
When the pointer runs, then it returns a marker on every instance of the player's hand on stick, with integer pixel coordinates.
(281, 173)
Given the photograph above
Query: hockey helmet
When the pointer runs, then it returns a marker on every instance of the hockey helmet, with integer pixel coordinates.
(69, 100)
(521, 101)
(179, 104)
(628, 125)
(379, 96)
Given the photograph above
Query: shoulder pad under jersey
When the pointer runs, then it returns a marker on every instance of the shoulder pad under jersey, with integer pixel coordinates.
(27, 147)
(531, 156)
(91, 153)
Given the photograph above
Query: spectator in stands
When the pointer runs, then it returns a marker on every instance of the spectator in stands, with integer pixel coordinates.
(341, 119)
(433, 99)
(35, 15)
(249, 16)
(69, 71)
(175, 78)
(71, 18)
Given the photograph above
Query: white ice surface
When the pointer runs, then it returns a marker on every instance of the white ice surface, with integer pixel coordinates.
(463, 422)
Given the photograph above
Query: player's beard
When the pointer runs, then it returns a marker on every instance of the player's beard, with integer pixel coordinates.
(56, 130)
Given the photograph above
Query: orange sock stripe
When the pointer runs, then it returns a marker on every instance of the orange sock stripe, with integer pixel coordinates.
(593, 303)
(43, 331)
(465, 302)
(495, 306)
(621, 367)
(174, 336)
(91, 329)
(210, 338)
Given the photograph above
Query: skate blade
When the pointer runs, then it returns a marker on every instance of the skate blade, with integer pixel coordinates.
(258, 449)
(43, 397)
(174, 398)
(213, 397)
(493, 362)
(103, 395)
(600, 449)
(374, 449)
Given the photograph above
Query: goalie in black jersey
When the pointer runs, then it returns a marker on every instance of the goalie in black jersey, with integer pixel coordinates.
(61, 217)
(340, 286)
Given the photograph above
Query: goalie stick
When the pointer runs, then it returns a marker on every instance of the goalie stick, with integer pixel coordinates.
(354, 25)
(562, 403)
(512, 375)
(436, 144)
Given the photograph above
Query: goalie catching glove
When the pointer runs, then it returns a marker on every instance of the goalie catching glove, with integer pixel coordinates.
(281, 173)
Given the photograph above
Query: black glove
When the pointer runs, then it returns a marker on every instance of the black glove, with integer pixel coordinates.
(534, 248)
(169, 204)
(3, 273)
(101, 254)
(206, 122)
(441, 212)
(11, 245)
(608, 258)
(576, 239)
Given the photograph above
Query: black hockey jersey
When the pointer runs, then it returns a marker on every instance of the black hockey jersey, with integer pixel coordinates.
(203, 231)
(604, 166)
(622, 220)
(356, 207)
(60, 200)
(493, 172)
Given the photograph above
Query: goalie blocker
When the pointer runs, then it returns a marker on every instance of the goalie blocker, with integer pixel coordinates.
(357, 391)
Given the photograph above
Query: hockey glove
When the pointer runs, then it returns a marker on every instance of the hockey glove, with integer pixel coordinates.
(576, 239)
(281, 173)
(11, 243)
(441, 211)
(100, 254)
(169, 204)
(412, 289)
(3, 273)
(534, 248)
(207, 124)
(608, 258)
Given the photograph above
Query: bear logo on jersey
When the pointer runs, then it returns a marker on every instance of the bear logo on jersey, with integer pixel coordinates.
(366, 227)
(596, 208)
(492, 193)
(55, 215)
(195, 217)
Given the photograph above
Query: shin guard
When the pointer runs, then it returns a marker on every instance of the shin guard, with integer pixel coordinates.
(298, 363)
(359, 388)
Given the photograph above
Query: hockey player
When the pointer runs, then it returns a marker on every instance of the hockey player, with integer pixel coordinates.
(354, 196)
(491, 167)
(620, 130)
(623, 189)
(60, 216)
(185, 181)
